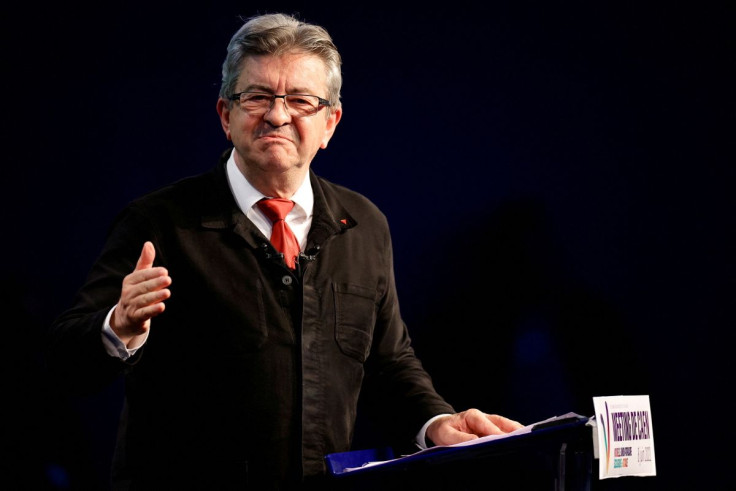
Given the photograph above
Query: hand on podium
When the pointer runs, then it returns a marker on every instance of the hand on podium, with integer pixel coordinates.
(469, 425)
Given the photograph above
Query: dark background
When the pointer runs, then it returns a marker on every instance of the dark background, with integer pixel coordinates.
(593, 142)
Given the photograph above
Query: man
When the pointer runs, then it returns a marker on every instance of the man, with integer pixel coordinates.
(243, 363)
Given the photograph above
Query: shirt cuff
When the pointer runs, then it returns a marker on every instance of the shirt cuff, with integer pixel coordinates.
(113, 345)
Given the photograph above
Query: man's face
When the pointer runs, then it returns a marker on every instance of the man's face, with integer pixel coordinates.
(276, 142)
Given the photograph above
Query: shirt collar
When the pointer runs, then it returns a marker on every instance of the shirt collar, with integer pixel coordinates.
(247, 196)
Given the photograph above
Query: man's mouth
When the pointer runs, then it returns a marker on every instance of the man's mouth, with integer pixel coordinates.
(275, 137)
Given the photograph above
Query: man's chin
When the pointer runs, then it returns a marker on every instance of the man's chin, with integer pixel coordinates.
(279, 160)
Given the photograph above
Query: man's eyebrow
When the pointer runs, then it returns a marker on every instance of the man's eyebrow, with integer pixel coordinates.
(265, 88)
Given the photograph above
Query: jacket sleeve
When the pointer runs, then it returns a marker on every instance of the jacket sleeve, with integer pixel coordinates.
(75, 354)
(397, 387)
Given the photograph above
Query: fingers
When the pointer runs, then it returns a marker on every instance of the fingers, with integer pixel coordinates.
(450, 436)
(505, 425)
(449, 430)
(146, 286)
(480, 423)
(142, 296)
(470, 425)
(484, 424)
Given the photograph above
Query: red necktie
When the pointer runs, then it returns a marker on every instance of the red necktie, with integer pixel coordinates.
(282, 238)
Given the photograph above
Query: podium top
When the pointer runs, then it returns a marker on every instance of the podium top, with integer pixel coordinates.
(375, 460)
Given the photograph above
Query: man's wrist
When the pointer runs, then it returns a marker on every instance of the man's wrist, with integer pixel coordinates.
(422, 440)
(114, 345)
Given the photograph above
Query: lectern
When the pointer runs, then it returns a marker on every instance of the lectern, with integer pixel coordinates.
(556, 457)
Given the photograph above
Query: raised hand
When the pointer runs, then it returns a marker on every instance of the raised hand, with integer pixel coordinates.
(142, 298)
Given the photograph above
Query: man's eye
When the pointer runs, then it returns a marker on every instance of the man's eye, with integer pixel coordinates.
(258, 98)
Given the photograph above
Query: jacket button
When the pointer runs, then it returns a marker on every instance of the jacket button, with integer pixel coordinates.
(286, 280)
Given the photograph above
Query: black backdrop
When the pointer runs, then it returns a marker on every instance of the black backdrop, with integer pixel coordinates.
(594, 144)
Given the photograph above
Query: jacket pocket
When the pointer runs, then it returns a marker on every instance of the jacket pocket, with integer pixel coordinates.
(355, 317)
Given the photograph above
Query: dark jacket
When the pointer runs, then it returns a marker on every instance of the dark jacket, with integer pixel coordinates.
(252, 374)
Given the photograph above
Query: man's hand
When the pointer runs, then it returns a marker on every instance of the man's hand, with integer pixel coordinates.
(142, 297)
(469, 425)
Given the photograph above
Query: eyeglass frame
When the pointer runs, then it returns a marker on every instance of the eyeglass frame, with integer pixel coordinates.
(322, 102)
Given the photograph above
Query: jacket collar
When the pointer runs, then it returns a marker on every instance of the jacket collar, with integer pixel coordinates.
(221, 211)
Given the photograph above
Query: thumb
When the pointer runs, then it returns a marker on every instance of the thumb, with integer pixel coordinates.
(147, 254)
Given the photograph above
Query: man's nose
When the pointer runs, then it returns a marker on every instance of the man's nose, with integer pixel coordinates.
(278, 114)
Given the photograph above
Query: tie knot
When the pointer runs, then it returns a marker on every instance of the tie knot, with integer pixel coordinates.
(275, 208)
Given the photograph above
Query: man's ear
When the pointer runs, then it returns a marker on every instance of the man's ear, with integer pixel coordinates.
(223, 109)
(332, 121)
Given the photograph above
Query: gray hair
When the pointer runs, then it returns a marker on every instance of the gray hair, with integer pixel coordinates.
(278, 34)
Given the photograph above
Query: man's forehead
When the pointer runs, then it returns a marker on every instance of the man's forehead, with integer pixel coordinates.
(294, 69)
(291, 60)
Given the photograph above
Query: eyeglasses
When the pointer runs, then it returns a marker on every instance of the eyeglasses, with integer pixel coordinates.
(298, 105)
